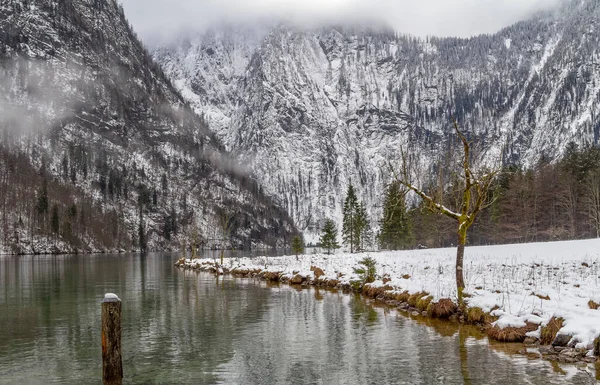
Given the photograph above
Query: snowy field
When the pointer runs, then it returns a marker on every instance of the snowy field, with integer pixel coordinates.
(525, 282)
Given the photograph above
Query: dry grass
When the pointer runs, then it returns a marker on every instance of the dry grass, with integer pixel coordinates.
(544, 297)
(510, 334)
(412, 300)
(423, 302)
(375, 292)
(549, 332)
(593, 305)
(402, 297)
(475, 315)
(444, 308)
(405, 276)
(318, 272)
(271, 276)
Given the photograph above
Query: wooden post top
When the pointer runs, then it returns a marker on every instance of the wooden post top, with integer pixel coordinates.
(110, 297)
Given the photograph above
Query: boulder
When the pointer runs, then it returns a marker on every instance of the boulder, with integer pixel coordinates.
(297, 279)
(561, 340)
(530, 341)
(571, 355)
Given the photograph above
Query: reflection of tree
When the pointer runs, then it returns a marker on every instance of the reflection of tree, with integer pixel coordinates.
(318, 294)
(464, 354)
(362, 309)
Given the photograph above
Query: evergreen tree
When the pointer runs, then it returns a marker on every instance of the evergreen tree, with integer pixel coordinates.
(55, 220)
(396, 228)
(363, 228)
(329, 236)
(42, 199)
(349, 228)
(297, 245)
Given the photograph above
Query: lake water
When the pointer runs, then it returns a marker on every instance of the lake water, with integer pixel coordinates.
(183, 327)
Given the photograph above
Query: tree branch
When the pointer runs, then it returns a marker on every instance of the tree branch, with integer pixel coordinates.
(437, 206)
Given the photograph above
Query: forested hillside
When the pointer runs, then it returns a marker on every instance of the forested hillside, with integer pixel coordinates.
(99, 152)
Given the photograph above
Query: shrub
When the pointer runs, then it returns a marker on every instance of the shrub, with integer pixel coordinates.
(367, 271)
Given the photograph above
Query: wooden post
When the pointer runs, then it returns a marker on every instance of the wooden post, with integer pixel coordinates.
(112, 367)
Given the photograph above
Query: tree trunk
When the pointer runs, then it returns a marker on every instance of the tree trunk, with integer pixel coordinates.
(460, 256)
(351, 233)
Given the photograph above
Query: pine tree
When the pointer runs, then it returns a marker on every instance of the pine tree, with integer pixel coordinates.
(363, 228)
(55, 220)
(396, 227)
(42, 199)
(329, 236)
(297, 245)
(349, 229)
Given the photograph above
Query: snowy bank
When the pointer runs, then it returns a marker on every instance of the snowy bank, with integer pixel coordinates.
(519, 285)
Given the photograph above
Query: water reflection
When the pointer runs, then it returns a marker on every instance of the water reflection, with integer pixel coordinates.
(181, 327)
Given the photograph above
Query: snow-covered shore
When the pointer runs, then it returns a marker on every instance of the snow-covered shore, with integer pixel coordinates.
(519, 284)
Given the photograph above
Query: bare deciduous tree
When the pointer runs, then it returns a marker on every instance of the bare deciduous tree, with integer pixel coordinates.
(474, 198)
(226, 221)
(592, 199)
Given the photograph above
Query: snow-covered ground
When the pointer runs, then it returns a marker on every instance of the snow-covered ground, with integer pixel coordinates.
(517, 279)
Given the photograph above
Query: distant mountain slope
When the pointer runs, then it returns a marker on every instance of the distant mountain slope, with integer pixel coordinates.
(317, 109)
(84, 105)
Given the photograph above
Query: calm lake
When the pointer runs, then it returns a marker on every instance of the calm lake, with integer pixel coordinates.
(183, 327)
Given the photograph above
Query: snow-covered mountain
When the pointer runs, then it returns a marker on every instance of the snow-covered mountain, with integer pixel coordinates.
(315, 109)
(83, 102)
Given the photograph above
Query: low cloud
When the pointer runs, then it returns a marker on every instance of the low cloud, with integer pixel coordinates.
(161, 19)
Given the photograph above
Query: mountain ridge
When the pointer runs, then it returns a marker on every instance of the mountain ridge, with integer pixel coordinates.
(325, 107)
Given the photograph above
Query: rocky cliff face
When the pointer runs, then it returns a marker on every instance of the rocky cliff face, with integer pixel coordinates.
(83, 102)
(314, 110)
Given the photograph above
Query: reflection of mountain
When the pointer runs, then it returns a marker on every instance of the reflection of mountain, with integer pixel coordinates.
(316, 109)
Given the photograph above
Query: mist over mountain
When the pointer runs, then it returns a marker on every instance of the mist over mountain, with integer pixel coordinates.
(158, 21)
(100, 152)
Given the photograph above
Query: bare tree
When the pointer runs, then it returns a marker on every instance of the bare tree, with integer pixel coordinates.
(592, 199)
(474, 198)
(569, 202)
(226, 222)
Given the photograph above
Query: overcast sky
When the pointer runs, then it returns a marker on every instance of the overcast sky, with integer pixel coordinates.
(159, 19)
